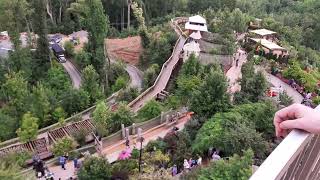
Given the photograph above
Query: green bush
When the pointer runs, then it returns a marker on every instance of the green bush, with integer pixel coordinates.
(19, 158)
(69, 49)
(151, 110)
(158, 144)
(80, 137)
(308, 80)
(64, 145)
(135, 153)
(120, 83)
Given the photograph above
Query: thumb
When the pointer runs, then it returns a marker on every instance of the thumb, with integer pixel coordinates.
(291, 124)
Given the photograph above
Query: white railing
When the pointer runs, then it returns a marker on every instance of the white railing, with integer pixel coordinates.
(295, 158)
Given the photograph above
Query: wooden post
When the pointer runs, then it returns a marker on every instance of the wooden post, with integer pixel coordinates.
(127, 134)
(133, 129)
(123, 131)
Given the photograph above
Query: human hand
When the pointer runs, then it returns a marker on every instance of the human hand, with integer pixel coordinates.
(296, 116)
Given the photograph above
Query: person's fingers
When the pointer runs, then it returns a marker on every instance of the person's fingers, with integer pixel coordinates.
(292, 124)
(290, 112)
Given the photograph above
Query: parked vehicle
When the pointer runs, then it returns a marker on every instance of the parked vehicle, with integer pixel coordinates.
(58, 52)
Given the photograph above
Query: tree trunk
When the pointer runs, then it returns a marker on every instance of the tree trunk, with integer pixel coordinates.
(49, 11)
(129, 12)
(122, 19)
(60, 13)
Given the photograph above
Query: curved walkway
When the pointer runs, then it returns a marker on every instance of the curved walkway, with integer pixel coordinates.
(73, 73)
(135, 76)
(112, 152)
(234, 74)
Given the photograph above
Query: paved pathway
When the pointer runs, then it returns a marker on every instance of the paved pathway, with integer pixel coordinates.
(135, 76)
(297, 97)
(163, 77)
(234, 73)
(112, 152)
(73, 73)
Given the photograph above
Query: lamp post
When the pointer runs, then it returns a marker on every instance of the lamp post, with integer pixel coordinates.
(141, 139)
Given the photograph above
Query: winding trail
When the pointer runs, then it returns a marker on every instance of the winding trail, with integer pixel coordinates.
(162, 80)
(73, 73)
(135, 76)
(234, 74)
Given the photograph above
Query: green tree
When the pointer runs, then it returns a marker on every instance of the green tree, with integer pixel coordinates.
(96, 23)
(211, 96)
(128, 94)
(57, 80)
(253, 85)
(15, 92)
(138, 13)
(75, 101)
(64, 145)
(59, 115)
(123, 115)
(40, 105)
(235, 168)
(82, 59)
(21, 60)
(90, 83)
(69, 49)
(121, 82)
(239, 20)
(231, 133)
(95, 168)
(42, 59)
(10, 172)
(29, 128)
(151, 110)
(285, 100)
(101, 115)
(8, 126)
(150, 75)
(192, 67)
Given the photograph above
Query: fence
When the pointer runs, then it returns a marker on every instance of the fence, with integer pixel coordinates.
(296, 157)
(112, 139)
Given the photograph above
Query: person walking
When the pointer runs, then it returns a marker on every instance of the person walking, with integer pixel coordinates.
(199, 161)
(186, 165)
(75, 163)
(215, 156)
(62, 161)
(127, 143)
(237, 62)
(174, 170)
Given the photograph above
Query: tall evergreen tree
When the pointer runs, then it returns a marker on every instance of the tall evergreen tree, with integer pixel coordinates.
(42, 59)
(96, 23)
(211, 96)
(90, 83)
(253, 85)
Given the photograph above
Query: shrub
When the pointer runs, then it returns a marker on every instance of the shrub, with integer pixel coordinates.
(69, 49)
(19, 158)
(120, 83)
(80, 137)
(95, 168)
(151, 110)
(158, 144)
(64, 145)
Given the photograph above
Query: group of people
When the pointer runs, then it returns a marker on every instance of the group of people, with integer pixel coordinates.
(63, 161)
(191, 163)
(307, 96)
(40, 169)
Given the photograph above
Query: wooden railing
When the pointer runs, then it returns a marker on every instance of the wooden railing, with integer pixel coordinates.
(174, 23)
(296, 158)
